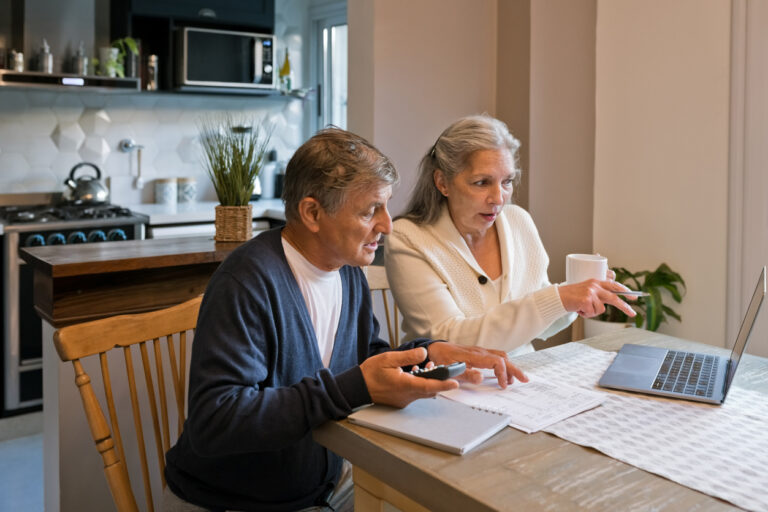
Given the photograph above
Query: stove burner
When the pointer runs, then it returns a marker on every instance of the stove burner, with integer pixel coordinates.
(67, 212)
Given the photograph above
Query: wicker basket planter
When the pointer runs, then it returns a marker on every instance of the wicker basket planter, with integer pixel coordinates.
(233, 223)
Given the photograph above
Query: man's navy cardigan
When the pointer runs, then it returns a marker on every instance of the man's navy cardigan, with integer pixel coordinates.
(258, 386)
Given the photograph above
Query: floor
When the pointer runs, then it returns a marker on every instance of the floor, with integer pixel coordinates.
(21, 463)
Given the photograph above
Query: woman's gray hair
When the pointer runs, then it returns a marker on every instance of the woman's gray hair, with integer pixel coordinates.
(451, 153)
(330, 164)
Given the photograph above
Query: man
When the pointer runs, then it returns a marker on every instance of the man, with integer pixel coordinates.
(286, 340)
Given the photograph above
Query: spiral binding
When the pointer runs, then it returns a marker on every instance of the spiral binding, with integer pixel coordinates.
(493, 410)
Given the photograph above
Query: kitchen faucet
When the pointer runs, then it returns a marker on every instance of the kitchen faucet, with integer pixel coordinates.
(127, 146)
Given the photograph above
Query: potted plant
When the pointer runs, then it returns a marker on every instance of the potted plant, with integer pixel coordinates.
(233, 154)
(111, 61)
(651, 310)
(127, 55)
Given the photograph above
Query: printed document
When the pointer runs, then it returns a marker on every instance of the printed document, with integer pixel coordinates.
(532, 405)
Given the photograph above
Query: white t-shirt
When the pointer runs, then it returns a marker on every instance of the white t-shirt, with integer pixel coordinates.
(322, 295)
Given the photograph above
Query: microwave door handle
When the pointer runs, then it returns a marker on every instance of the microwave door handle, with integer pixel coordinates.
(258, 59)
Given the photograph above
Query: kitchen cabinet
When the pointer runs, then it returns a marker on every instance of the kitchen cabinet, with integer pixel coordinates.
(154, 22)
(258, 14)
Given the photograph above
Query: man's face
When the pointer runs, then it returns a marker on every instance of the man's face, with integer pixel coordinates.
(351, 234)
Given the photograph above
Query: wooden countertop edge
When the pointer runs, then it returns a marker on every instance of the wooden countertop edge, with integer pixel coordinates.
(108, 257)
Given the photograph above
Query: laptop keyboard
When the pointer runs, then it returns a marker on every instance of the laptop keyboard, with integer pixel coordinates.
(687, 373)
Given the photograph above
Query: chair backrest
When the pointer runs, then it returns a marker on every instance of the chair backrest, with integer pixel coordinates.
(136, 336)
(377, 282)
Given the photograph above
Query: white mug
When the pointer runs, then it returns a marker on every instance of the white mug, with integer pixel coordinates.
(580, 267)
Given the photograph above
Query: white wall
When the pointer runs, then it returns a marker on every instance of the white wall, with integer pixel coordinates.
(44, 133)
(418, 66)
(661, 152)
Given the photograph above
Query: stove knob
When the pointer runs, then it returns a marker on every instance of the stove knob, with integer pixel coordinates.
(76, 237)
(97, 235)
(56, 239)
(116, 235)
(35, 241)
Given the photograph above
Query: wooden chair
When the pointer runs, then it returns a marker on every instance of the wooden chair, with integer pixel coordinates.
(377, 282)
(135, 336)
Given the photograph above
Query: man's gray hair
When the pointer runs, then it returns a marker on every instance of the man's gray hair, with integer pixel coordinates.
(330, 164)
(451, 153)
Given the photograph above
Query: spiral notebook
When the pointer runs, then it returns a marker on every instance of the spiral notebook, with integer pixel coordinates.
(437, 422)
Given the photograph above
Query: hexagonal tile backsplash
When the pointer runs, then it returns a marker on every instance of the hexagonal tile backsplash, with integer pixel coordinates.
(44, 133)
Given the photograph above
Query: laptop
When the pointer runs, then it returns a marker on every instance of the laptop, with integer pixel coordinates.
(680, 374)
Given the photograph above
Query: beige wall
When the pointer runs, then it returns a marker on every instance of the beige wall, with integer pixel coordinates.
(424, 64)
(513, 78)
(562, 127)
(661, 158)
(623, 107)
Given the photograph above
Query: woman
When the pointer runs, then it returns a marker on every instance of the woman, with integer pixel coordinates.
(466, 266)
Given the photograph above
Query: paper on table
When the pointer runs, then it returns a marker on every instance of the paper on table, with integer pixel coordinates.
(533, 405)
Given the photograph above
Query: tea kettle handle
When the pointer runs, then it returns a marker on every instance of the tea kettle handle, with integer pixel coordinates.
(82, 164)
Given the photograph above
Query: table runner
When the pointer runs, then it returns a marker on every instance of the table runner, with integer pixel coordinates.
(719, 450)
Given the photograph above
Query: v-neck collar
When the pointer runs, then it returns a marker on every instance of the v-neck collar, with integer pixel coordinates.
(298, 298)
(444, 229)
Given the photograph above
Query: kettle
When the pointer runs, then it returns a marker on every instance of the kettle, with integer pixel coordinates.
(85, 189)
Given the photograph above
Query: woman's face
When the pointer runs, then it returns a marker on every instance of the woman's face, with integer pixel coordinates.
(477, 194)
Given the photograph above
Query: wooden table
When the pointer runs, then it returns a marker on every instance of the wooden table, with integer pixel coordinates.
(517, 471)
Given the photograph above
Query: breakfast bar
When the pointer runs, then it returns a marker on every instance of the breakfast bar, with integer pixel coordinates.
(88, 282)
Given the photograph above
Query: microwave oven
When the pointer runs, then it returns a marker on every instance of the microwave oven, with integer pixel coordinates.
(227, 60)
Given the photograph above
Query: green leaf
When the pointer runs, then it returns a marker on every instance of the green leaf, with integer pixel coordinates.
(653, 309)
(131, 44)
(672, 313)
(233, 151)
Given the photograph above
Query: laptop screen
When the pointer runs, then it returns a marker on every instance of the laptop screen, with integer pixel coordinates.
(746, 328)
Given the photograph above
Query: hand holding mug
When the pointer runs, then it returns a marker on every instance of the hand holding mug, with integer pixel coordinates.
(590, 286)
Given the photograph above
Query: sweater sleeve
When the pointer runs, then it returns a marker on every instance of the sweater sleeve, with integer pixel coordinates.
(431, 310)
(252, 383)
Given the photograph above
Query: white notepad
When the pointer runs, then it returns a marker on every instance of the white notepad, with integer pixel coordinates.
(437, 422)
(532, 406)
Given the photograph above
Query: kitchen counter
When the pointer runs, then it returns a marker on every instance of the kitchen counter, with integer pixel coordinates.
(73, 284)
(203, 211)
(89, 281)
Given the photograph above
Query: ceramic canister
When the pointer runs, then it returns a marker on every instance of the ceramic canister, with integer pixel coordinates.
(165, 191)
(187, 190)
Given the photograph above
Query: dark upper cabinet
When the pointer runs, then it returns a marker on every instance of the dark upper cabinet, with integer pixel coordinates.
(253, 14)
(154, 24)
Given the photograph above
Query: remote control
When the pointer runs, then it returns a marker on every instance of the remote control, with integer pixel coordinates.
(441, 372)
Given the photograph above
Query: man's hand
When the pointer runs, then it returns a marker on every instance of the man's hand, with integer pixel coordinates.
(388, 384)
(476, 357)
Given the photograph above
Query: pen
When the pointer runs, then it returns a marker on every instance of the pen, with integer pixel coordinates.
(633, 293)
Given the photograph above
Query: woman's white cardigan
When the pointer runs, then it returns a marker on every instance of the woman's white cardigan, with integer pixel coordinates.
(437, 285)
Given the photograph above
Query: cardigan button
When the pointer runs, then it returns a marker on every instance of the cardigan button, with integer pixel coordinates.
(482, 279)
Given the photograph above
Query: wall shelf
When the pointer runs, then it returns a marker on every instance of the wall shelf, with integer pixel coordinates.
(64, 81)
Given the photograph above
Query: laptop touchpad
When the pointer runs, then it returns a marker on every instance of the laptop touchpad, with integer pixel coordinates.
(635, 364)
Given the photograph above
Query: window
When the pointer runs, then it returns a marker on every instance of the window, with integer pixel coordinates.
(329, 67)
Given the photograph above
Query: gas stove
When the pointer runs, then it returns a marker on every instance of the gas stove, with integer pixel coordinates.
(71, 223)
(41, 225)
(66, 212)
